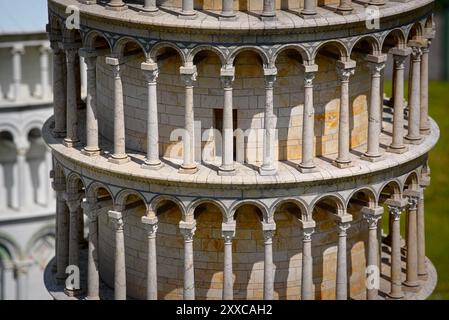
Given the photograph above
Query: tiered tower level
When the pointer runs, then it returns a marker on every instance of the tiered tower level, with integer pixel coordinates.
(241, 149)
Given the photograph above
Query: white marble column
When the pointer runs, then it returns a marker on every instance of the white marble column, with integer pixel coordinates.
(268, 167)
(151, 73)
(372, 217)
(151, 226)
(120, 267)
(399, 55)
(62, 229)
(344, 70)
(45, 75)
(71, 139)
(413, 135)
(421, 231)
(188, 76)
(73, 200)
(116, 5)
(90, 208)
(22, 170)
(188, 11)
(188, 231)
(309, 9)
(92, 146)
(269, 230)
(424, 126)
(119, 156)
(21, 274)
(228, 233)
(376, 65)
(269, 10)
(59, 90)
(345, 7)
(396, 208)
(17, 52)
(150, 6)
(343, 224)
(307, 293)
(411, 281)
(227, 167)
(307, 164)
(227, 10)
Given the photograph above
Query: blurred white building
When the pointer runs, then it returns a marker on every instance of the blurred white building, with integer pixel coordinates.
(27, 202)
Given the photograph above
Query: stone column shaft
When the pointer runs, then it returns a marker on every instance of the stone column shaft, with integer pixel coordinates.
(21, 274)
(188, 231)
(397, 145)
(17, 52)
(72, 107)
(342, 272)
(93, 278)
(345, 7)
(227, 11)
(188, 10)
(413, 135)
(22, 173)
(421, 235)
(45, 76)
(268, 279)
(268, 167)
(412, 245)
(92, 146)
(396, 277)
(116, 5)
(269, 9)
(119, 156)
(424, 112)
(309, 8)
(59, 91)
(375, 115)
(151, 73)
(308, 126)
(228, 233)
(151, 225)
(227, 167)
(345, 71)
(188, 75)
(307, 262)
(119, 257)
(150, 6)
(62, 236)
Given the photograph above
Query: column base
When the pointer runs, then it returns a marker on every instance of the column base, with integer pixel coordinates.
(119, 160)
(70, 143)
(152, 166)
(307, 169)
(342, 164)
(395, 296)
(264, 171)
(371, 158)
(423, 276)
(268, 18)
(227, 17)
(425, 131)
(116, 8)
(188, 170)
(397, 150)
(307, 14)
(149, 12)
(411, 286)
(344, 11)
(227, 171)
(187, 15)
(91, 153)
(73, 292)
(413, 140)
(93, 298)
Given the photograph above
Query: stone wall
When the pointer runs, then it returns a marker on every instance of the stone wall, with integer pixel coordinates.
(248, 255)
(249, 101)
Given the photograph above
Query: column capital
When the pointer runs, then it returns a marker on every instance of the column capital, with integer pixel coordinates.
(188, 75)
(345, 69)
(227, 75)
(18, 48)
(343, 224)
(150, 225)
(228, 231)
(117, 219)
(187, 230)
(372, 216)
(150, 71)
(416, 50)
(307, 233)
(45, 48)
(308, 79)
(395, 212)
(269, 229)
(270, 75)
(73, 200)
(90, 208)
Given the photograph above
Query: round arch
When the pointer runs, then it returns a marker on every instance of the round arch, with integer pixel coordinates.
(340, 46)
(217, 203)
(395, 185)
(73, 179)
(398, 36)
(166, 45)
(338, 200)
(204, 48)
(122, 197)
(258, 204)
(302, 206)
(374, 43)
(120, 46)
(368, 192)
(296, 47)
(94, 187)
(12, 247)
(258, 51)
(158, 200)
(92, 36)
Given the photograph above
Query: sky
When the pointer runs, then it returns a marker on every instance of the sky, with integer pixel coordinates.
(23, 16)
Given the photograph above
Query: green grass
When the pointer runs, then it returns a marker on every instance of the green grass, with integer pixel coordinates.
(437, 195)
